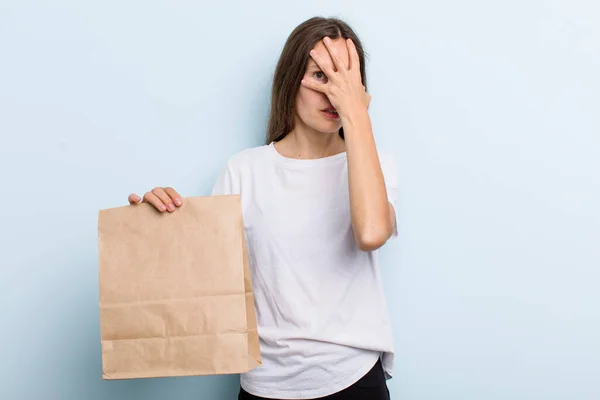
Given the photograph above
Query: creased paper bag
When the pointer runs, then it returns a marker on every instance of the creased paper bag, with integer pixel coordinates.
(175, 291)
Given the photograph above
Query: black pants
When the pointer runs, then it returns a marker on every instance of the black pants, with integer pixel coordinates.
(372, 386)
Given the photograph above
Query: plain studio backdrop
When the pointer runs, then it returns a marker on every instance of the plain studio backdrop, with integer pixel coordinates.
(490, 107)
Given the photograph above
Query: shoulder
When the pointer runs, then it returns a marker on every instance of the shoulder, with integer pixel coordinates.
(232, 177)
(247, 158)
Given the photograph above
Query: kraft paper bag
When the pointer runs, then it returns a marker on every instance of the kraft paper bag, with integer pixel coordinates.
(175, 291)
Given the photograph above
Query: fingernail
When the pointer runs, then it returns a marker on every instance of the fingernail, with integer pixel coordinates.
(162, 208)
(178, 201)
(327, 39)
(171, 208)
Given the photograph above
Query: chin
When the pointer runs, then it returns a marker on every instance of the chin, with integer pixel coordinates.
(329, 128)
(328, 131)
(325, 127)
(336, 130)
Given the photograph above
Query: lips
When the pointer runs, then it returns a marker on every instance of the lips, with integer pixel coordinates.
(331, 113)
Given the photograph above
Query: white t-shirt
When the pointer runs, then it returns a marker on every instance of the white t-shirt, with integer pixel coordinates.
(322, 316)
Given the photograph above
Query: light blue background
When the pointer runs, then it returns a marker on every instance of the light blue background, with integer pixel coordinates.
(491, 109)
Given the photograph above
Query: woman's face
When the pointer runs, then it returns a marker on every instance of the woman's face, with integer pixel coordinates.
(310, 103)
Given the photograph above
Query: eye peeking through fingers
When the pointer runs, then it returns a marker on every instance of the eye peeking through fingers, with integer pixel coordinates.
(320, 75)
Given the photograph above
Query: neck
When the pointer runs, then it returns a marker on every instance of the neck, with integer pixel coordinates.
(306, 143)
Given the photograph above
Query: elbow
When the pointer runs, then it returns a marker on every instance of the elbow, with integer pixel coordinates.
(371, 241)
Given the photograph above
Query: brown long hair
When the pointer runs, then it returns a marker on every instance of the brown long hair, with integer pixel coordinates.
(292, 66)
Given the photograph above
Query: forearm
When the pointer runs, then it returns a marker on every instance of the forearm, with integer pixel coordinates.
(369, 204)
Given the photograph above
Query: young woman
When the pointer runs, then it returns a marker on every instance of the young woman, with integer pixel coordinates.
(317, 201)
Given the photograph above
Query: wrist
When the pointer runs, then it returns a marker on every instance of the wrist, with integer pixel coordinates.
(355, 117)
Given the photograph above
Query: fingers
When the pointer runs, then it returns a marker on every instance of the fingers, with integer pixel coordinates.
(325, 65)
(174, 196)
(164, 198)
(319, 87)
(338, 62)
(153, 199)
(354, 58)
(134, 198)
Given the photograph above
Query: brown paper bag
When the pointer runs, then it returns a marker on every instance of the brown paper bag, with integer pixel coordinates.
(175, 291)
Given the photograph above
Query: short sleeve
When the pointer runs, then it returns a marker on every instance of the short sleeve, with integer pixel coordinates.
(226, 183)
(390, 176)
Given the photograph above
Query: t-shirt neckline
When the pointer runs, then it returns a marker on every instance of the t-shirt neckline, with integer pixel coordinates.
(304, 162)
